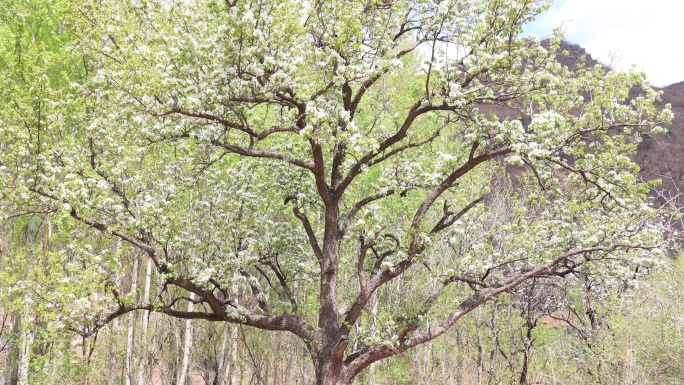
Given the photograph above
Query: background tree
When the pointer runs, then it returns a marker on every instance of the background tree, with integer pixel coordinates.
(283, 163)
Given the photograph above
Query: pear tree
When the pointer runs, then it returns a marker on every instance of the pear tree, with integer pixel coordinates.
(281, 163)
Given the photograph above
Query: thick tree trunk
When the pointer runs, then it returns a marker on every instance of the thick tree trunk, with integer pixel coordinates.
(329, 361)
(329, 376)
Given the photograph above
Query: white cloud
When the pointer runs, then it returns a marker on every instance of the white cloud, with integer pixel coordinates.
(643, 33)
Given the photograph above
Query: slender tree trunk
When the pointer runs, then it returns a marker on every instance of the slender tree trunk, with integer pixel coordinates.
(131, 327)
(187, 345)
(526, 356)
(492, 352)
(374, 313)
(55, 366)
(480, 348)
(461, 363)
(231, 372)
(115, 329)
(452, 372)
(26, 343)
(14, 351)
(113, 353)
(222, 364)
(427, 360)
(26, 332)
(145, 321)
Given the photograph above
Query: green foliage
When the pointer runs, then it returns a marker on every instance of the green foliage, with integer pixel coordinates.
(645, 337)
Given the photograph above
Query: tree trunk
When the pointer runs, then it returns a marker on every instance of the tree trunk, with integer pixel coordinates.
(374, 313)
(480, 347)
(329, 376)
(131, 327)
(187, 344)
(145, 322)
(113, 354)
(26, 332)
(232, 367)
(329, 360)
(55, 366)
(493, 353)
(222, 365)
(26, 343)
(427, 359)
(526, 356)
(14, 351)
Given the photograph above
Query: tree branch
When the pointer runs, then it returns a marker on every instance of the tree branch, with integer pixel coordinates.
(262, 154)
(378, 352)
(448, 218)
(380, 277)
(363, 202)
(313, 241)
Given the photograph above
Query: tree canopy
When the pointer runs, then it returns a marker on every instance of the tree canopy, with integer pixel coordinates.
(282, 162)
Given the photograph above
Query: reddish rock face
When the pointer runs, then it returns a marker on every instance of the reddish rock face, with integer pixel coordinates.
(659, 156)
(662, 156)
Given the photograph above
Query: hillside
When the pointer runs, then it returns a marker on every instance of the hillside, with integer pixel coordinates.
(660, 156)
(663, 156)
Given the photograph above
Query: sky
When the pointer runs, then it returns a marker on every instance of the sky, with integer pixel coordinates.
(619, 33)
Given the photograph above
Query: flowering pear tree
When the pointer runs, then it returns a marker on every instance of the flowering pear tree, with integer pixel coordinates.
(283, 162)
